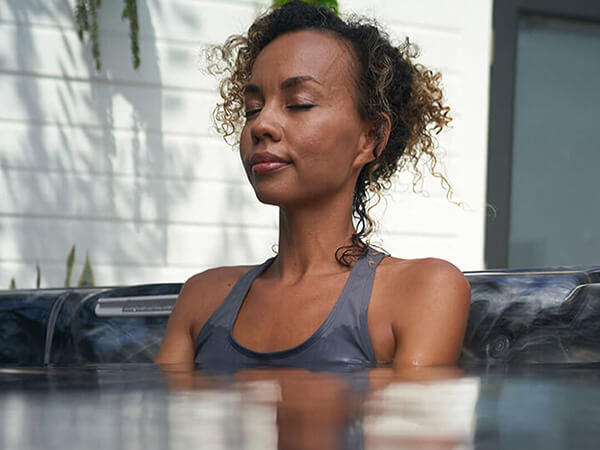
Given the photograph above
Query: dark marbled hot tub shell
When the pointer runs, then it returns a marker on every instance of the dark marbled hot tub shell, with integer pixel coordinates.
(549, 315)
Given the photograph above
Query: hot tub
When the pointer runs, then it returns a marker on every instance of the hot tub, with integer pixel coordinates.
(76, 372)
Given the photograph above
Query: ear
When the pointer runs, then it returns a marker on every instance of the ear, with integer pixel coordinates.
(375, 138)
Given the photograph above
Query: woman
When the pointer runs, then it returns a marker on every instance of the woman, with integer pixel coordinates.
(332, 110)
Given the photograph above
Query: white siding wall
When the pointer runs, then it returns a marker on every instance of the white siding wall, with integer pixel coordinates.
(455, 38)
(124, 164)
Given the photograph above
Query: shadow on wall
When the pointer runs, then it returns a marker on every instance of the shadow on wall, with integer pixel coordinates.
(86, 161)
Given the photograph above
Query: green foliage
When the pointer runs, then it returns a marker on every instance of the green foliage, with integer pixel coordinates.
(130, 12)
(86, 18)
(331, 4)
(81, 18)
(70, 263)
(86, 279)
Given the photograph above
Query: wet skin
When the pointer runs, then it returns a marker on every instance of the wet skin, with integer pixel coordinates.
(303, 146)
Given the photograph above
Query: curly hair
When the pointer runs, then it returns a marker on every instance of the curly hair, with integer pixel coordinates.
(388, 82)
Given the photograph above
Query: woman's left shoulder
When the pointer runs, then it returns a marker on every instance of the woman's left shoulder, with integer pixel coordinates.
(426, 302)
(424, 278)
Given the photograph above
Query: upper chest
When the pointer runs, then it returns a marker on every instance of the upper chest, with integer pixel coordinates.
(275, 317)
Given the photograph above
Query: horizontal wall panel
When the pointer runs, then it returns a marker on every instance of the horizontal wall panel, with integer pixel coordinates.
(414, 246)
(217, 246)
(441, 15)
(117, 152)
(46, 239)
(454, 88)
(131, 199)
(52, 52)
(429, 186)
(197, 257)
(414, 214)
(186, 20)
(49, 13)
(102, 105)
(437, 51)
(53, 274)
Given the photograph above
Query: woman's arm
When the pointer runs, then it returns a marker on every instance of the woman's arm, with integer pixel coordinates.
(199, 298)
(429, 328)
(177, 345)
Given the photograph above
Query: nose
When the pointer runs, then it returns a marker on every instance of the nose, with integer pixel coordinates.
(266, 125)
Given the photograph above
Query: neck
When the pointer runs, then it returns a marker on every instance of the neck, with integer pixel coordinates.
(309, 237)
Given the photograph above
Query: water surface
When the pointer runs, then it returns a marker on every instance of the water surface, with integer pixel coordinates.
(131, 406)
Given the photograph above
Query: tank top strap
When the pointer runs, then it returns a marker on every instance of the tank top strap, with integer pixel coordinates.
(357, 296)
(226, 313)
(361, 278)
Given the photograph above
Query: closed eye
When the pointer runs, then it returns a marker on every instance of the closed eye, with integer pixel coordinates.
(251, 112)
(300, 106)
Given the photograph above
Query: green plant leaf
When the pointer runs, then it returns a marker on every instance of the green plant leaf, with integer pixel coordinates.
(86, 279)
(93, 7)
(331, 4)
(13, 283)
(86, 21)
(70, 264)
(130, 12)
(81, 18)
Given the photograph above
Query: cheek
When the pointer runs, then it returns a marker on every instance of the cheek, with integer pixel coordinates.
(326, 164)
(334, 145)
(245, 145)
(245, 136)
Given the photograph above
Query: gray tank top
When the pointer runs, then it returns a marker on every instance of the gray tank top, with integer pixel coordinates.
(342, 340)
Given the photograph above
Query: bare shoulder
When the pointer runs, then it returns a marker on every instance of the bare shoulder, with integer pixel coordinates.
(419, 283)
(202, 293)
(200, 296)
(424, 275)
(427, 301)
(227, 275)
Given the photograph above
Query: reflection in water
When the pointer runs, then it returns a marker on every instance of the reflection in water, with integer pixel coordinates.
(381, 408)
(434, 415)
(179, 407)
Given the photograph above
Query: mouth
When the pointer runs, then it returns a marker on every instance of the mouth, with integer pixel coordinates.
(262, 163)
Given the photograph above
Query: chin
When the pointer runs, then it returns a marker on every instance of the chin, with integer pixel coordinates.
(270, 192)
(270, 198)
(279, 195)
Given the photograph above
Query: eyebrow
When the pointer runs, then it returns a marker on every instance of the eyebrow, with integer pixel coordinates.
(294, 81)
(285, 84)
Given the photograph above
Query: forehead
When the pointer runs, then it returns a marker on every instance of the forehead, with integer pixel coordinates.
(319, 54)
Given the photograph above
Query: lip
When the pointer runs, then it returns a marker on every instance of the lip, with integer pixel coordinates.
(265, 162)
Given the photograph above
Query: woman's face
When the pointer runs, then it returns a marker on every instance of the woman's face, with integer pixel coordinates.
(303, 139)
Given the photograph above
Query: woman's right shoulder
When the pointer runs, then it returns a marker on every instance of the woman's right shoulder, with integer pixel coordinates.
(210, 284)
(198, 299)
(216, 278)
(204, 292)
